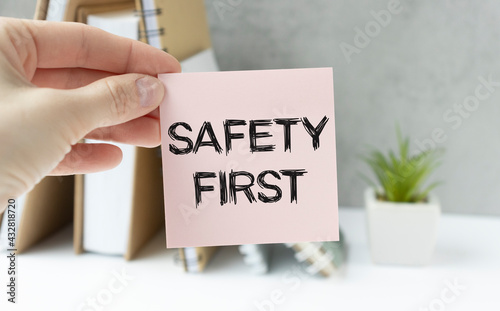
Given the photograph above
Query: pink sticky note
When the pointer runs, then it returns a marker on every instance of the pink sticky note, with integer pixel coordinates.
(249, 157)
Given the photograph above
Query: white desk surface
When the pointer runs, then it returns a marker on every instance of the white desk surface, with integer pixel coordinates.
(51, 277)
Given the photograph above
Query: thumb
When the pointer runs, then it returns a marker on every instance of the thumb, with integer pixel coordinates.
(116, 100)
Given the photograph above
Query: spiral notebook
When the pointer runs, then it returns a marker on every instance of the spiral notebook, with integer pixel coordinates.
(46, 208)
(118, 211)
(324, 258)
(195, 259)
(177, 27)
(256, 256)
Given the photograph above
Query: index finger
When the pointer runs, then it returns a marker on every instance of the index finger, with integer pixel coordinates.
(68, 45)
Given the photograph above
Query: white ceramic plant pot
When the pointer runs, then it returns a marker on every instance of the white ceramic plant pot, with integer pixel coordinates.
(401, 233)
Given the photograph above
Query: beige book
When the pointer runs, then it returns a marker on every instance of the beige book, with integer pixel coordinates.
(71, 8)
(178, 27)
(40, 213)
(121, 216)
(85, 10)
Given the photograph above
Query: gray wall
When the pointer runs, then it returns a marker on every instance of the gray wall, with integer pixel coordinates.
(428, 59)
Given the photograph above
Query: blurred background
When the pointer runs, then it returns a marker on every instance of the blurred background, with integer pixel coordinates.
(420, 66)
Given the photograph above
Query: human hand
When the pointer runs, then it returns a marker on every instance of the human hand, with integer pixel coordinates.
(61, 82)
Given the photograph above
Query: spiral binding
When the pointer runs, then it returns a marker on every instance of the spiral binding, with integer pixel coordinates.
(145, 13)
(178, 261)
(151, 32)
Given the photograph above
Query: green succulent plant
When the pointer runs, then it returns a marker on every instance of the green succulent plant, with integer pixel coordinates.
(401, 177)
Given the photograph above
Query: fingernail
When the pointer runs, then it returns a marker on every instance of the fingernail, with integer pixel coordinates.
(150, 91)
